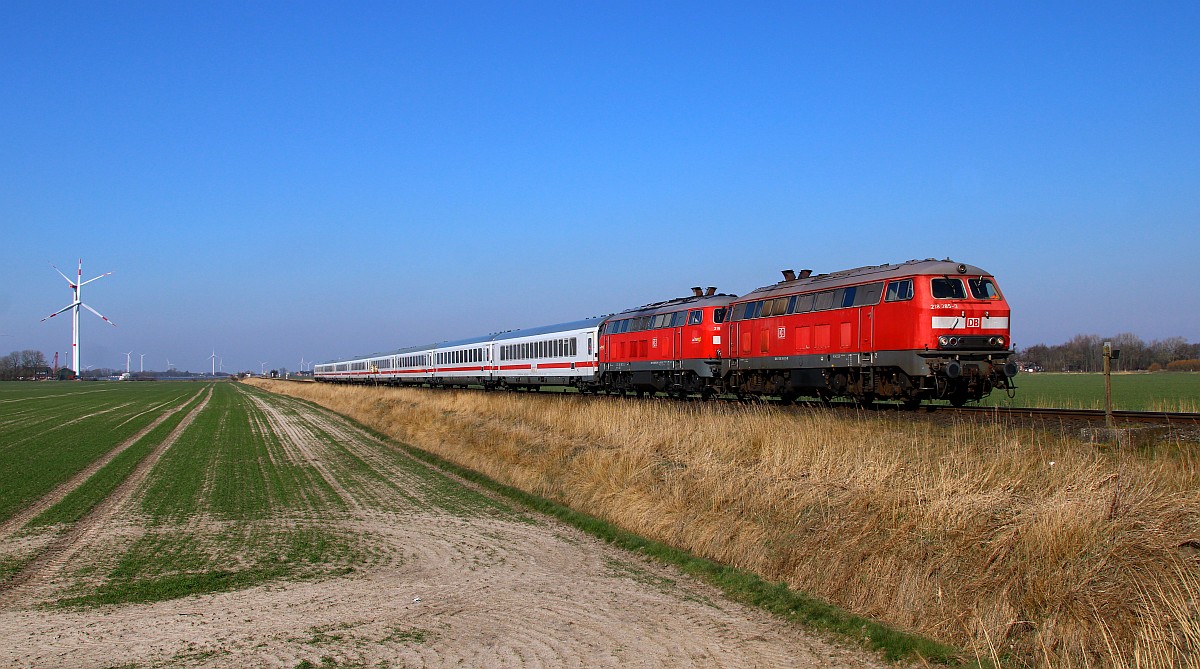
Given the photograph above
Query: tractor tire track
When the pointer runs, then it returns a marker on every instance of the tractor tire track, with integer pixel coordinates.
(300, 446)
(60, 492)
(52, 558)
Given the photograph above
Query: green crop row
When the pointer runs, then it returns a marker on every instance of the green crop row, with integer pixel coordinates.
(101, 484)
(58, 434)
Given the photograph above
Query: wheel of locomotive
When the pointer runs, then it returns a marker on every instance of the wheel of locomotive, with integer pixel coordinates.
(957, 399)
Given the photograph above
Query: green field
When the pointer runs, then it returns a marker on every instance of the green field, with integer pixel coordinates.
(232, 487)
(1162, 391)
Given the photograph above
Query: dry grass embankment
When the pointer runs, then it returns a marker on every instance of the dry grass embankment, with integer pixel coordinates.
(1020, 544)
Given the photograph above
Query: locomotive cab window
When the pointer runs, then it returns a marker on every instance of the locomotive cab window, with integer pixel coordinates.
(695, 317)
(947, 288)
(719, 315)
(898, 291)
(983, 289)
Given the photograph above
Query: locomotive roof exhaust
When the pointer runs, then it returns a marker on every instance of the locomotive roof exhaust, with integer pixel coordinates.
(712, 290)
(789, 275)
(696, 291)
(805, 273)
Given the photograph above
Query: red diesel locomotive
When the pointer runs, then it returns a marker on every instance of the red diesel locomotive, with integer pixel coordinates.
(920, 330)
(671, 346)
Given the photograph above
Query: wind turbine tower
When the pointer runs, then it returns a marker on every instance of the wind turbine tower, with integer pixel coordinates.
(142, 363)
(73, 307)
(214, 362)
(127, 361)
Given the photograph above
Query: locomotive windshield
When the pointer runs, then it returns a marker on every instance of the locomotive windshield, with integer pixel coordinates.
(983, 289)
(947, 288)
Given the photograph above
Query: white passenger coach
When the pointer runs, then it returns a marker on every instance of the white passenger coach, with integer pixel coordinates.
(552, 355)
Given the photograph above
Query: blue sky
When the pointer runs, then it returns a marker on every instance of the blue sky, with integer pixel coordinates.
(277, 180)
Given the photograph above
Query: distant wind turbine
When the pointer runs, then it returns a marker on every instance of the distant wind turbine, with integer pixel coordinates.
(214, 362)
(127, 361)
(169, 367)
(142, 363)
(263, 371)
(73, 307)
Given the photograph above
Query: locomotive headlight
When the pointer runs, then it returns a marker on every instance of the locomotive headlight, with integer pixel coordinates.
(943, 340)
(994, 341)
(999, 341)
(954, 341)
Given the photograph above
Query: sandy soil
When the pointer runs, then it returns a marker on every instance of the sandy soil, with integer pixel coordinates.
(449, 591)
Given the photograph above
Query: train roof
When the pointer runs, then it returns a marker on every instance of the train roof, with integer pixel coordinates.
(550, 329)
(850, 277)
(717, 299)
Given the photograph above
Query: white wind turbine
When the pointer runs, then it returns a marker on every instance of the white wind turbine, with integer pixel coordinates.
(302, 363)
(169, 367)
(74, 308)
(214, 362)
(127, 361)
(263, 371)
(141, 363)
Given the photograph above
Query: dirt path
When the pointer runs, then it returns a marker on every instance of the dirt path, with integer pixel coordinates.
(453, 591)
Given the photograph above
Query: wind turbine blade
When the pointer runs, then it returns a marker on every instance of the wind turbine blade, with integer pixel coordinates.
(69, 306)
(98, 314)
(94, 278)
(63, 275)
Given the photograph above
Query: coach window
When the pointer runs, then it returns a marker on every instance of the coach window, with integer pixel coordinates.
(983, 289)
(898, 291)
(803, 304)
(780, 306)
(947, 288)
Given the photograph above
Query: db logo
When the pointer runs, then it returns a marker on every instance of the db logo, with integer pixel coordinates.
(781, 332)
(974, 322)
